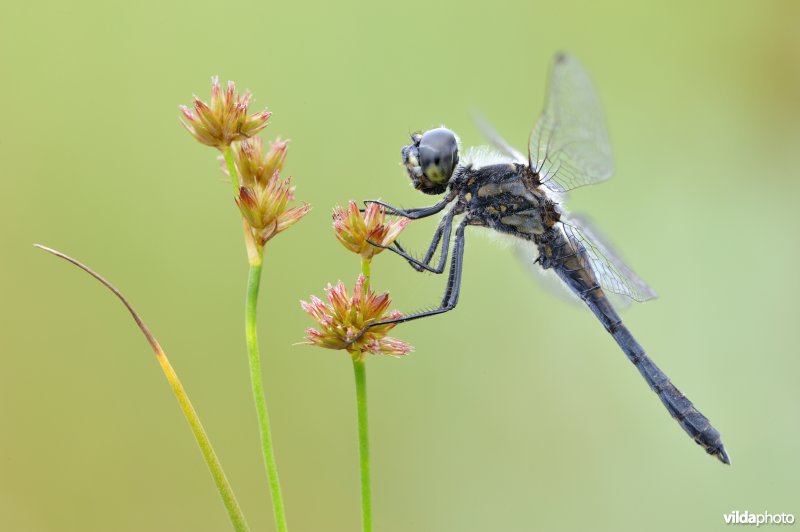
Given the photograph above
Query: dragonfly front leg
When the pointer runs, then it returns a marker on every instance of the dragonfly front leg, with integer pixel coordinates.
(451, 293)
(442, 235)
(415, 214)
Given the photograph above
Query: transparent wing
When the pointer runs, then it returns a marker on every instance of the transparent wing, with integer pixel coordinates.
(611, 272)
(549, 282)
(526, 253)
(496, 139)
(569, 145)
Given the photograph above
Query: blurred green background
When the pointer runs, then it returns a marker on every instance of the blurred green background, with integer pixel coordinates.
(516, 412)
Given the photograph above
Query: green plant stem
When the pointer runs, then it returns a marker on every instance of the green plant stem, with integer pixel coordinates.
(228, 154)
(223, 486)
(255, 257)
(363, 441)
(253, 285)
(360, 371)
(365, 270)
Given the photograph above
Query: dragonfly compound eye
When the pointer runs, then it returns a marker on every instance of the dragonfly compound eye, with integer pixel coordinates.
(432, 159)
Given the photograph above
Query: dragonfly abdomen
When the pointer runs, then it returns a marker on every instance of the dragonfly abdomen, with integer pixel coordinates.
(696, 425)
(569, 260)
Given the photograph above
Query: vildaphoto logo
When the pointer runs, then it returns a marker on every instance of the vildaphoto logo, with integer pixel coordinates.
(747, 518)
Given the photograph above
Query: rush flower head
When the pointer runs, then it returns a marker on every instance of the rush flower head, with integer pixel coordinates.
(254, 164)
(264, 206)
(344, 317)
(225, 120)
(354, 229)
(264, 197)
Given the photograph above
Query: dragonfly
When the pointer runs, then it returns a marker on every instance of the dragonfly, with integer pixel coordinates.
(521, 196)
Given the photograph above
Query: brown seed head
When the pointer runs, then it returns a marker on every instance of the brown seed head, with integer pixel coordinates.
(343, 318)
(254, 164)
(353, 228)
(225, 120)
(265, 207)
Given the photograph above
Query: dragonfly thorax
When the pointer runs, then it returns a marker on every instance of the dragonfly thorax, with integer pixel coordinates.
(503, 197)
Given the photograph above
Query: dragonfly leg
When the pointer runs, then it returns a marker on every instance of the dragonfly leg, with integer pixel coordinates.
(415, 214)
(451, 293)
(442, 235)
(397, 247)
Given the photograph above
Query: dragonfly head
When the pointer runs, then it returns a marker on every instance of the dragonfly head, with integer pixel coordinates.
(431, 159)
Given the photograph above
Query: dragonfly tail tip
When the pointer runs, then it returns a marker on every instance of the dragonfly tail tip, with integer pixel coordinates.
(722, 455)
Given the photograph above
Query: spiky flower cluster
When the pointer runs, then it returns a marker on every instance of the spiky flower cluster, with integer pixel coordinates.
(263, 197)
(355, 230)
(254, 164)
(344, 317)
(225, 120)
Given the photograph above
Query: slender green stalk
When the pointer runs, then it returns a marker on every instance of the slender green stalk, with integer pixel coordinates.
(360, 371)
(255, 257)
(223, 486)
(228, 154)
(253, 285)
(363, 441)
(365, 270)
